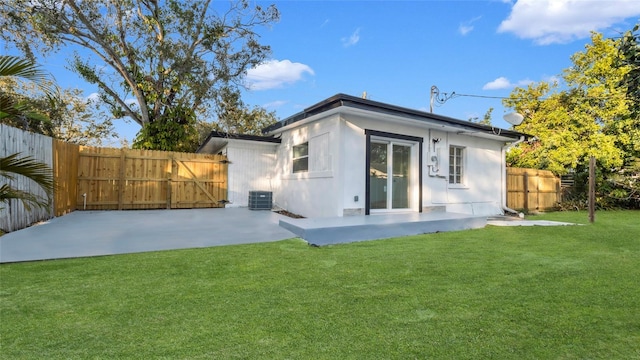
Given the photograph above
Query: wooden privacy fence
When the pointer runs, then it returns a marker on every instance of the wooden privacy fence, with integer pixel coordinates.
(124, 179)
(110, 178)
(532, 189)
(65, 176)
(13, 214)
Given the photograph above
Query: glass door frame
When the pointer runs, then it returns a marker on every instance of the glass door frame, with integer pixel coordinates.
(382, 137)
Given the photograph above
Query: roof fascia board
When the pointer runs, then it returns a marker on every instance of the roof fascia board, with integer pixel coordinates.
(493, 133)
(304, 121)
(222, 137)
(342, 101)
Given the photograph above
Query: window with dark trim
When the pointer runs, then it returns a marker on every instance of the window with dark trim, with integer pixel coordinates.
(301, 158)
(456, 165)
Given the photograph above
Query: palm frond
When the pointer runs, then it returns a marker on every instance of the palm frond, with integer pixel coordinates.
(39, 172)
(8, 193)
(27, 70)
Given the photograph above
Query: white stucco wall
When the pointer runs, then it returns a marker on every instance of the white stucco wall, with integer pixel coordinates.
(337, 173)
(251, 168)
(315, 193)
(352, 160)
(481, 192)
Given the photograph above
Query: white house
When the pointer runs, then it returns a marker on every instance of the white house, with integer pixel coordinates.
(350, 156)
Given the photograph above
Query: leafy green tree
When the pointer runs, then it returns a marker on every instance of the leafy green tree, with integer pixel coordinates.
(589, 116)
(630, 56)
(178, 134)
(172, 57)
(486, 119)
(69, 116)
(573, 124)
(235, 117)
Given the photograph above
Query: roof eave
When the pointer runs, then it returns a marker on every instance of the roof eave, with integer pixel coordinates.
(241, 137)
(370, 105)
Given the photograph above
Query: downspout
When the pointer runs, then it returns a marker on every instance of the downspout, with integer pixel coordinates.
(503, 173)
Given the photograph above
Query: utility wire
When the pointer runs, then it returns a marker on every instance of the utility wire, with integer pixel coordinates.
(454, 95)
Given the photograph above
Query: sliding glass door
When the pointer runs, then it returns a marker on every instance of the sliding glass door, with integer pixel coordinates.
(389, 175)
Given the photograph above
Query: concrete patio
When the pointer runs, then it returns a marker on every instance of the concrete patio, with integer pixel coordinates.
(99, 233)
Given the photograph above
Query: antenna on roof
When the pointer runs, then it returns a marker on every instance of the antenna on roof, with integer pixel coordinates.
(364, 95)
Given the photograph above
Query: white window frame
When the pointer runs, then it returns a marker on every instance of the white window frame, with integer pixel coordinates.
(457, 168)
(300, 159)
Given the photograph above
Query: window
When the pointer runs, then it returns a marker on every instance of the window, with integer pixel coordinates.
(456, 165)
(301, 158)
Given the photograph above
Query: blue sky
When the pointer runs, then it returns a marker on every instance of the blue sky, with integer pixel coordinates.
(396, 50)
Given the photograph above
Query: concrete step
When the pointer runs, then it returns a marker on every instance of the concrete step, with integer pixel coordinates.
(337, 230)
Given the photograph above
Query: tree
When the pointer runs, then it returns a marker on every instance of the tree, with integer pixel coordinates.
(20, 112)
(12, 166)
(235, 117)
(69, 116)
(486, 119)
(590, 117)
(571, 125)
(171, 56)
(630, 56)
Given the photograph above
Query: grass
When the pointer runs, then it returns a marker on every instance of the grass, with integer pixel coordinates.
(500, 293)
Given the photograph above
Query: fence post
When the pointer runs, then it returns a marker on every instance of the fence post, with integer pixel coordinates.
(121, 180)
(592, 189)
(170, 184)
(174, 175)
(525, 178)
(537, 191)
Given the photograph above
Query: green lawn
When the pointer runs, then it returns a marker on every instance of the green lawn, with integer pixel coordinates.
(500, 293)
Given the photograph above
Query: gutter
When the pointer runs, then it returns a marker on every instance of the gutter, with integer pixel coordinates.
(503, 173)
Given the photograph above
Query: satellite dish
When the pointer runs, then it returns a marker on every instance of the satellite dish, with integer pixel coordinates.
(513, 118)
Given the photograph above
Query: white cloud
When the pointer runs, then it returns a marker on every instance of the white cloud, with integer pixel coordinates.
(465, 29)
(275, 104)
(94, 98)
(552, 79)
(562, 21)
(275, 74)
(499, 83)
(504, 83)
(351, 40)
(467, 26)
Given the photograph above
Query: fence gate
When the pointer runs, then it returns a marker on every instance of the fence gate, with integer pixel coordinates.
(125, 179)
(532, 189)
